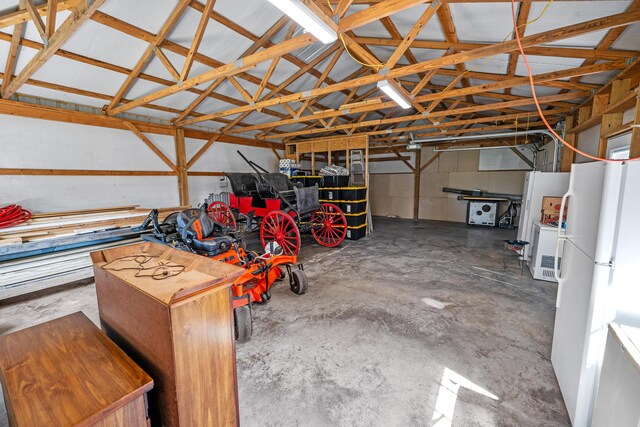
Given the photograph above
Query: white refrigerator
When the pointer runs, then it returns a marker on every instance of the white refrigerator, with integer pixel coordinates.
(598, 281)
(536, 186)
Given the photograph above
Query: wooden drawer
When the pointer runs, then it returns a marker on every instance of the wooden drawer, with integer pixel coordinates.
(66, 372)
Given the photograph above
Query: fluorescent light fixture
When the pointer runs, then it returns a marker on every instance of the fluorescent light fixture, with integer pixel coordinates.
(309, 20)
(395, 92)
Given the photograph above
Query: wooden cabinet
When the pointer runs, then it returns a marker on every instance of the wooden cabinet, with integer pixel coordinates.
(171, 311)
(66, 372)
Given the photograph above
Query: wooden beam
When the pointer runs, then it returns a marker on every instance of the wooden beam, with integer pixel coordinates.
(553, 51)
(229, 69)
(434, 114)
(430, 161)
(413, 33)
(150, 144)
(375, 12)
(523, 16)
(241, 90)
(181, 168)
(10, 65)
(532, 40)
(568, 155)
(37, 20)
(523, 157)
(23, 15)
(343, 6)
(82, 172)
(197, 38)
(203, 150)
(52, 12)
(451, 36)
(397, 153)
(167, 63)
(146, 56)
(68, 27)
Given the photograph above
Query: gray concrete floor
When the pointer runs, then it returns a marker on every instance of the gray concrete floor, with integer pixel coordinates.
(415, 325)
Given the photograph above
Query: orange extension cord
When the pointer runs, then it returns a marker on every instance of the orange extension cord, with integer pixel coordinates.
(535, 97)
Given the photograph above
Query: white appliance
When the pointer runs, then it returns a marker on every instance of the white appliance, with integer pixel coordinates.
(536, 186)
(619, 387)
(482, 213)
(543, 252)
(599, 276)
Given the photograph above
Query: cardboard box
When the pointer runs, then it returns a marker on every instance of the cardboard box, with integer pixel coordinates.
(550, 212)
(551, 203)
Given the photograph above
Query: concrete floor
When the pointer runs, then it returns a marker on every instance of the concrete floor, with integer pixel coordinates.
(416, 325)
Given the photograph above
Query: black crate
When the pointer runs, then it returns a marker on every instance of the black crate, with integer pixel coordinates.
(353, 193)
(313, 180)
(335, 181)
(356, 233)
(353, 206)
(331, 194)
(299, 179)
(356, 220)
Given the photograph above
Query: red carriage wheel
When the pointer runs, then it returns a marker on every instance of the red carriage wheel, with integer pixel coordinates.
(222, 214)
(328, 225)
(279, 226)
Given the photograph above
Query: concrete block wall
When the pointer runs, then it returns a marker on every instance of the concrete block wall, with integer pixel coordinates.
(392, 193)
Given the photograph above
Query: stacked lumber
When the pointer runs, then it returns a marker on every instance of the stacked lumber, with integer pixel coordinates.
(52, 249)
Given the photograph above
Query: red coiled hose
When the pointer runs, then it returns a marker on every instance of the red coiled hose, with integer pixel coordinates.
(13, 215)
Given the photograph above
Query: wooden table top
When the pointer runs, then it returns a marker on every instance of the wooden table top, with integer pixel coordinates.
(164, 273)
(66, 372)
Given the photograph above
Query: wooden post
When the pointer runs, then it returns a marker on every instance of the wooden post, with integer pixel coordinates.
(181, 166)
(416, 184)
(635, 133)
(568, 155)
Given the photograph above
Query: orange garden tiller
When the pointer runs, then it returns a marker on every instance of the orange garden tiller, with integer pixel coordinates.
(195, 231)
(280, 209)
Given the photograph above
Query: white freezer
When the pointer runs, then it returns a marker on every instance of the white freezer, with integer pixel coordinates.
(536, 186)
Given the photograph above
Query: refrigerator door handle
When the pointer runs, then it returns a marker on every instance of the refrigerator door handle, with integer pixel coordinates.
(561, 236)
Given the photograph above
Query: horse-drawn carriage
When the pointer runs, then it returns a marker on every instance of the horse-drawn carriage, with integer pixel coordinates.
(280, 209)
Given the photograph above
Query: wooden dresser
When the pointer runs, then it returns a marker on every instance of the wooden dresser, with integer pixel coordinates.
(172, 312)
(66, 372)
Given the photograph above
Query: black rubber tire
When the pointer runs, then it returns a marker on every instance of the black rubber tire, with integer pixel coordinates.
(243, 323)
(280, 277)
(299, 282)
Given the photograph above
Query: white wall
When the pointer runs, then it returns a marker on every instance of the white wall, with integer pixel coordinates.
(42, 144)
(222, 157)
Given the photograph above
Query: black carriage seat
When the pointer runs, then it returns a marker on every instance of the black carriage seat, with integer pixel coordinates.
(273, 185)
(307, 199)
(242, 184)
(199, 230)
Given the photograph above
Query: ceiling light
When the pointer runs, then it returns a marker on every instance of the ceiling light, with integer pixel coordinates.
(310, 21)
(395, 92)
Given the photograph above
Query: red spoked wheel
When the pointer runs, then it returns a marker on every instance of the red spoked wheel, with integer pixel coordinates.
(328, 225)
(221, 213)
(279, 226)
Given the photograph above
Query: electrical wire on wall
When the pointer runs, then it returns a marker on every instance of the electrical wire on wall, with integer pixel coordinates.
(535, 98)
